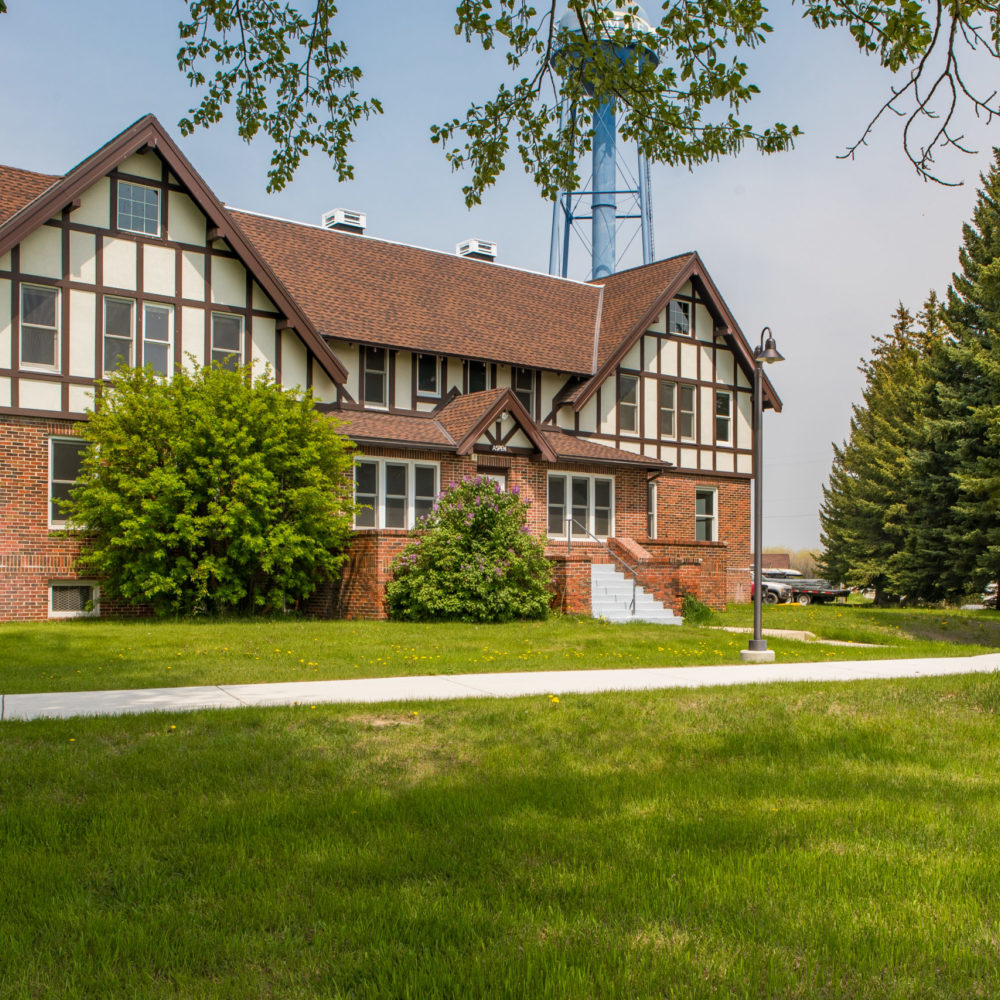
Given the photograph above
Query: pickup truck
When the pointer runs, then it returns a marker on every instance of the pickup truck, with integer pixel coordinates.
(814, 591)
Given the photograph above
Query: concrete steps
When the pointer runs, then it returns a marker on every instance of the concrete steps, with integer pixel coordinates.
(611, 599)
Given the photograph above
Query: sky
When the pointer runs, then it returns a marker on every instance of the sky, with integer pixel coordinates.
(817, 248)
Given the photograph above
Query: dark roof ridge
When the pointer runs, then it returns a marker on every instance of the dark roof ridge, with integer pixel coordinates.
(639, 267)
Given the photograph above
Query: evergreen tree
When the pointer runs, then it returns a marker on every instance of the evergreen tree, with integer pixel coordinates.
(862, 514)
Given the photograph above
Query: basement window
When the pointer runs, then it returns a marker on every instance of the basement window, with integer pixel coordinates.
(74, 599)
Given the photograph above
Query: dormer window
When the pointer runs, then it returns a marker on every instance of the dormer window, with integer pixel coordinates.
(523, 380)
(428, 375)
(138, 209)
(478, 373)
(376, 371)
(679, 318)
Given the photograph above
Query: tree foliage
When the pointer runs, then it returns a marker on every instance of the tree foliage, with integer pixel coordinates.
(286, 74)
(473, 559)
(211, 492)
(864, 517)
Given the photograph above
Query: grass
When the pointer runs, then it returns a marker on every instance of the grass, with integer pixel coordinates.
(101, 654)
(791, 841)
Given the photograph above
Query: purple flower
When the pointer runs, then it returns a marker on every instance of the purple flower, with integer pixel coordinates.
(525, 530)
(452, 485)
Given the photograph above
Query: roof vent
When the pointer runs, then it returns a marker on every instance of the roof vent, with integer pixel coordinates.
(477, 249)
(345, 221)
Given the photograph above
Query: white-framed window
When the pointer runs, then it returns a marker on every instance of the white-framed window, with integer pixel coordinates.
(376, 376)
(74, 599)
(523, 384)
(679, 318)
(651, 510)
(496, 477)
(428, 375)
(723, 417)
(227, 340)
(688, 412)
(158, 337)
(393, 493)
(138, 208)
(705, 520)
(40, 327)
(479, 376)
(119, 333)
(65, 456)
(628, 403)
(668, 409)
(588, 500)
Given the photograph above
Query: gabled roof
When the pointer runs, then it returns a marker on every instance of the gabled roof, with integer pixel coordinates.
(147, 131)
(370, 291)
(466, 417)
(19, 188)
(634, 298)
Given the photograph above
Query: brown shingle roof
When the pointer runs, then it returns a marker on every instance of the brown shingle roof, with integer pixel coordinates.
(366, 290)
(19, 188)
(404, 428)
(569, 448)
(459, 416)
(628, 295)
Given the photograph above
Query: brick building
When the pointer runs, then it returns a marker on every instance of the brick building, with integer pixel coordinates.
(621, 409)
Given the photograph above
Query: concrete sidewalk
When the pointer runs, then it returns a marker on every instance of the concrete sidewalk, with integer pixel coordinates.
(438, 688)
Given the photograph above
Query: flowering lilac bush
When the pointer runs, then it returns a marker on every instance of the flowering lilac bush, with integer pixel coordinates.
(473, 559)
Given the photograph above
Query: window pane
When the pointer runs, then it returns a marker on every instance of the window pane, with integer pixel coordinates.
(427, 374)
(581, 505)
(374, 387)
(722, 402)
(138, 208)
(38, 347)
(38, 306)
(375, 359)
(365, 517)
(602, 493)
(116, 352)
(629, 389)
(557, 489)
(704, 503)
(366, 477)
(156, 323)
(156, 356)
(66, 459)
(477, 376)
(602, 522)
(395, 512)
(118, 318)
(557, 505)
(70, 598)
(226, 332)
(59, 491)
(679, 320)
(424, 481)
(666, 409)
(581, 492)
(395, 481)
(703, 530)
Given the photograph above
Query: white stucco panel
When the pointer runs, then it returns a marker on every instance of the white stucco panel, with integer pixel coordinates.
(668, 357)
(159, 267)
(706, 363)
(454, 375)
(5, 396)
(551, 384)
(705, 460)
(262, 345)
(261, 301)
(686, 289)
(5, 326)
(706, 407)
(588, 415)
(229, 282)
(632, 446)
(724, 366)
(704, 325)
(668, 455)
(119, 263)
(83, 257)
(324, 388)
(650, 353)
(650, 403)
(404, 379)
(741, 379)
(40, 395)
(650, 451)
(193, 275)
(564, 417)
(185, 220)
(632, 357)
(744, 463)
(193, 334)
(608, 416)
(143, 165)
(293, 360)
(689, 361)
(503, 377)
(744, 419)
(41, 253)
(520, 440)
(725, 461)
(689, 458)
(95, 205)
(5, 261)
(347, 355)
(659, 325)
(82, 333)
(81, 398)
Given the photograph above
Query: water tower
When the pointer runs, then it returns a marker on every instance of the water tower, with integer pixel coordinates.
(614, 194)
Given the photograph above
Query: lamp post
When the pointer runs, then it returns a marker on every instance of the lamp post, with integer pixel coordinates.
(764, 354)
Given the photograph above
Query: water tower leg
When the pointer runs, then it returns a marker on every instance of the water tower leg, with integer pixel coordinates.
(604, 203)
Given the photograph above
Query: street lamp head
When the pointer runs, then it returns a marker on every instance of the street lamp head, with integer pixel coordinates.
(767, 353)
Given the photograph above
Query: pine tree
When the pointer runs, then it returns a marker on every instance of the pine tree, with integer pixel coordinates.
(862, 510)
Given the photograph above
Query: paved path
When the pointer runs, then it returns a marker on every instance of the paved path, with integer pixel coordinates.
(438, 688)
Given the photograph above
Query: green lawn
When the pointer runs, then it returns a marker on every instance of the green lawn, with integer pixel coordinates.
(101, 654)
(812, 841)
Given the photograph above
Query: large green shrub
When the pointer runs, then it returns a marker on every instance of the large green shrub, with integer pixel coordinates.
(212, 491)
(474, 559)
